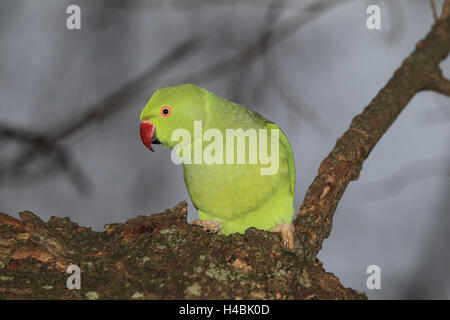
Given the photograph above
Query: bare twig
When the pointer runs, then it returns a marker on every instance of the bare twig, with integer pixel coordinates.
(439, 84)
(433, 8)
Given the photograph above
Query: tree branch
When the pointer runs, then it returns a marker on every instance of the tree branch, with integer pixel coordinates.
(344, 163)
(446, 11)
(439, 84)
(154, 257)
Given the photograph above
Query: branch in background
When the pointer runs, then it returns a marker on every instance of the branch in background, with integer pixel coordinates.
(344, 163)
(180, 5)
(39, 145)
(243, 69)
(47, 144)
(274, 76)
(115, 101)
(259, 47)
(268, 39)
(184, 5)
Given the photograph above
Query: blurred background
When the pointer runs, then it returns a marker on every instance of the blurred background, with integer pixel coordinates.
(70, 102)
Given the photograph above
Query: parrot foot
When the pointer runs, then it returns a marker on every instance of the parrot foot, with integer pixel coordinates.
(287, 234)
(212, 226)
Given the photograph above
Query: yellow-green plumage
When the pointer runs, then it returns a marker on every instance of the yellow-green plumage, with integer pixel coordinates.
(237, 195)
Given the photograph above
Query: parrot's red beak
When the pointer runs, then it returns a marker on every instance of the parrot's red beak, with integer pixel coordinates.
(147, 131)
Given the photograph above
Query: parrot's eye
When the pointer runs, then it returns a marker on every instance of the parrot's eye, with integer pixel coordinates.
(166, 111)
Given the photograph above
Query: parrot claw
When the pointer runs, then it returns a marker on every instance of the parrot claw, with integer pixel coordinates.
(287, 234)
(211, 226)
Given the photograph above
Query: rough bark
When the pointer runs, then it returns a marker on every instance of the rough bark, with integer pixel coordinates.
(161, 256)
(154, 257)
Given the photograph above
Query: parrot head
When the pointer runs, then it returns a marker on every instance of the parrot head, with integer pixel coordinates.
(169, 109)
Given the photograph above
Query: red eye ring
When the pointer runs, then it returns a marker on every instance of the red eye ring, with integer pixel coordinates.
(165, 111)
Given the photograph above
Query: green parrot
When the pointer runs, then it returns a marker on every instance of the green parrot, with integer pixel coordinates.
(238, 167)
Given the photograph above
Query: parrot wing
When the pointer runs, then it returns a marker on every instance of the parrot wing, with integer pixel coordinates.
(290, 155)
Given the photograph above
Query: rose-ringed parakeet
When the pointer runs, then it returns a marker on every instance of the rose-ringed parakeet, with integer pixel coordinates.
(225, 159)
